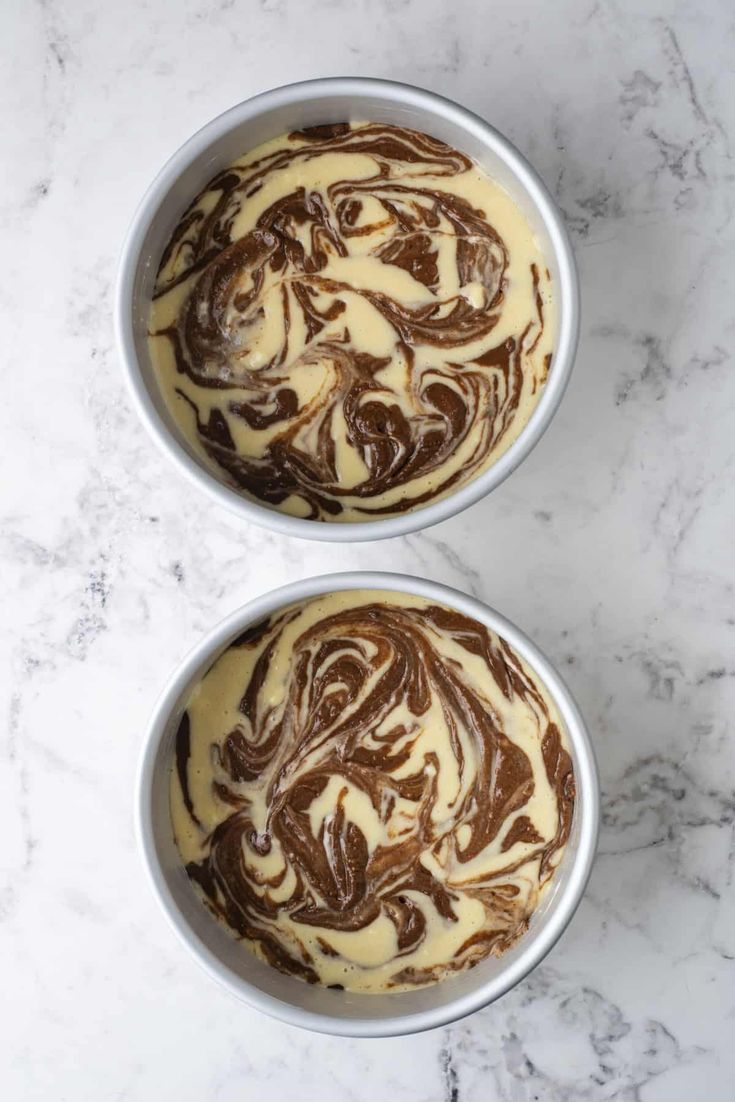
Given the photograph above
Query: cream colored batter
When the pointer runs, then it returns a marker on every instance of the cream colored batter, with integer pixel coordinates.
(377, 791)
(322, 314)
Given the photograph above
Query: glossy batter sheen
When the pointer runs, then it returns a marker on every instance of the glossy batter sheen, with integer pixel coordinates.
(352, 321)
(371, 790)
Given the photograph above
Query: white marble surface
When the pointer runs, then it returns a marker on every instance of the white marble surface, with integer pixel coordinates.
(613, 545)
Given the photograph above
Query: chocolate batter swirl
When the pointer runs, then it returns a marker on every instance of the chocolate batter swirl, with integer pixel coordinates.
(372, 791)
(351, 321)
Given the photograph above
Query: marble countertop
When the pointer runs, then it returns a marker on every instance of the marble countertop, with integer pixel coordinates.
(612, 545)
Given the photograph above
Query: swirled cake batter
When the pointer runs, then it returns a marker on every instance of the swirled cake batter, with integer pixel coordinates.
(371, 790)
(351, 321)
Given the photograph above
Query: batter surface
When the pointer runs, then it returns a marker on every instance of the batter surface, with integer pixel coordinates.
(351, 321)
(371, 790)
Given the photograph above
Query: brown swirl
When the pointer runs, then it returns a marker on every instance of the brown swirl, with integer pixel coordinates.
(382, 787)
(277, 353)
